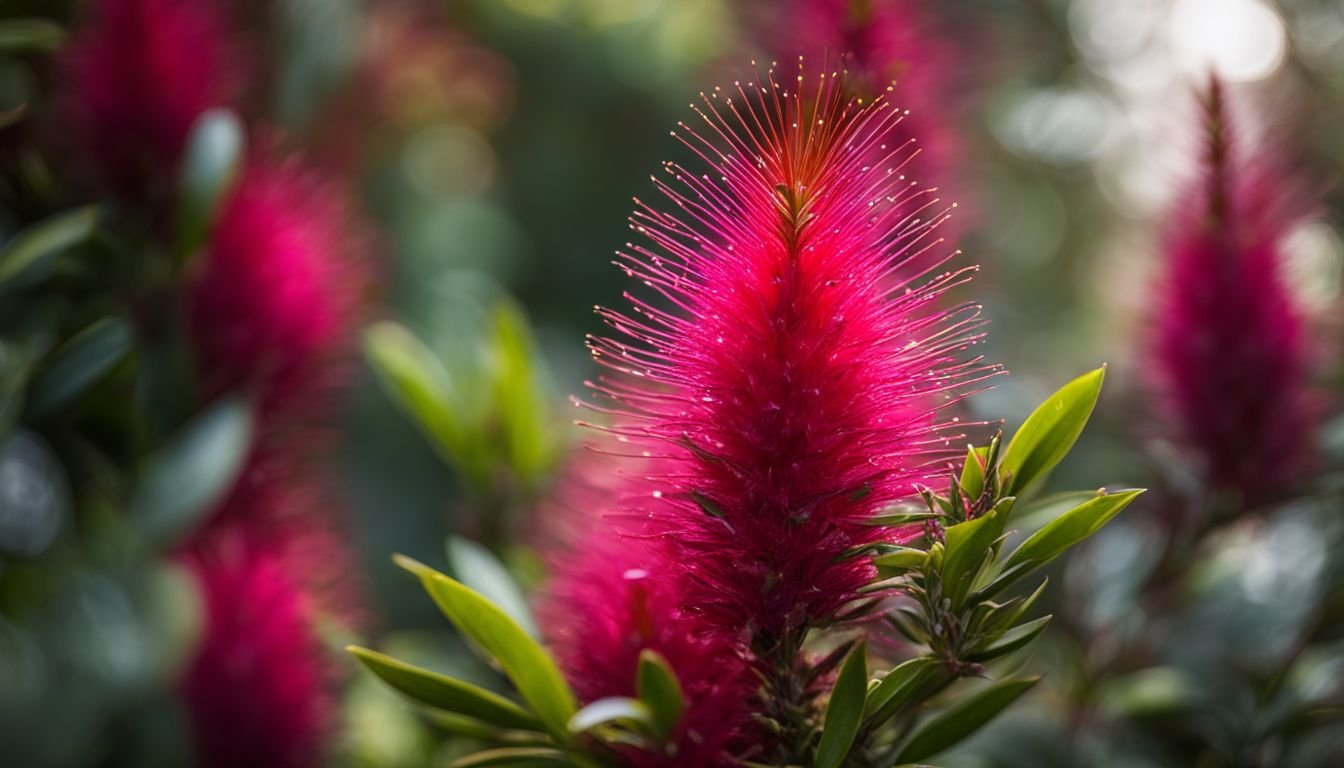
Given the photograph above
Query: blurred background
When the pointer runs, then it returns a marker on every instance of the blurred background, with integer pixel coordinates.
(344, 312)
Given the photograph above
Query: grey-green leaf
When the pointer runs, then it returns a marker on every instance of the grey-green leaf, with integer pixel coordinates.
(844, 712)
(185, 478)
(29, 252)
(657, 686)
(77, 365)
(209, 166)
(1050, 432)
(478, 568)
(962, 719)
(443, 692)
(533, 672)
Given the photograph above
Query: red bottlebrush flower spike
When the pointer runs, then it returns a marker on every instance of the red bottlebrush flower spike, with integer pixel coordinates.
(281, 288)
(1229, 343)
(613, 597)
(256, 693)
(793, 387)
(141, 72)
(880, 42)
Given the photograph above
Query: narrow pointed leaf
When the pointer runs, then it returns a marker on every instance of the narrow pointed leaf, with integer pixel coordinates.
(185, 478)
(1067, 530)
(973, 472)
(968, 546)
(1050, 432)
(78, 364)
(962, 719)
(209, 168)
(898, 687)
(844, 711)
(443, 692)
(898, 562)
(1012, 640)
(479, 569)
(658, 688)
(415, 379)
(533, 672)
(514, 757)
(26, 255)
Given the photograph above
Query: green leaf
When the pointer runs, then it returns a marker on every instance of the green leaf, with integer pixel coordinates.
(30, 252)
(478, 568)
(657, 686)
(533, 672)
(844, 711)
(896, 563)
(968, 546)
(519, 397)
(77, 365)
(514, 757)
(209, 167)
(21, 35)
(1012, 640)
(16, 361)
(1067, 530)
(609, 711)
(415, 379)
(443, 692)
(899, 687)
(185, 478)
(897, 519)
(962, 719)
(1050, 432)
(973, 473)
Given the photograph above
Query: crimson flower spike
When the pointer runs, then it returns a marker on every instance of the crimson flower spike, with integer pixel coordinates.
(786, 367)
(1229, 342)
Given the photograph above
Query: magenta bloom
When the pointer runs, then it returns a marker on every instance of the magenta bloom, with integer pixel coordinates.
(612, 597)
(256, 693)
(280, 290)
(141, 72)
(1229, 344)
(878, 43)
(793, 387)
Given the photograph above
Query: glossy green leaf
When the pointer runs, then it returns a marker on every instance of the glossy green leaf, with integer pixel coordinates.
(21, 35)
(210, 165)
(184, 479)
(533, 672)
(1067, 530)
(1012, 640)
(443, 692)
(899, 687)
(962, 719)
(844, 711)
(973, 472)
(514, 757)
(1050, 432)
(31, 251)
(968, 546)
(657, 686)
(478, 568)
(900, 561)
(77, 365)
